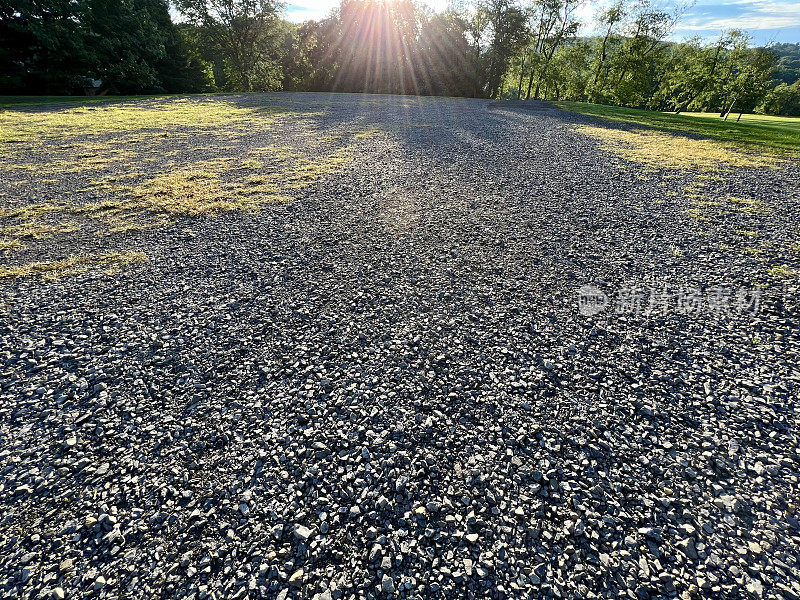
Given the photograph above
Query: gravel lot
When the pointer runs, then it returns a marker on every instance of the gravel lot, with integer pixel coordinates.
(385, 387)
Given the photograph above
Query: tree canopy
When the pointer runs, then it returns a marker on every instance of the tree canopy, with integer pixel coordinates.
(61, 46)
(483, 48)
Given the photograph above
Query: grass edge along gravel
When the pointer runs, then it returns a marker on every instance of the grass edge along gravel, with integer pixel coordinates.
(785, 142)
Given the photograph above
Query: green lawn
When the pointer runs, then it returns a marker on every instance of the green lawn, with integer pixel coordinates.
(792, 123)
(10, 101)
(772, 133)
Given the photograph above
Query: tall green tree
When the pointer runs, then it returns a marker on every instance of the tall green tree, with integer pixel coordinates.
(503, 24)
(56, 46)
(42, 46)
(553, 24)
(244, 33)
(750, 82)
(783, 100)
(610, 19)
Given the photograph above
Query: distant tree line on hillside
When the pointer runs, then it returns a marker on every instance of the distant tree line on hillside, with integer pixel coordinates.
(483, 48)
(632, 64)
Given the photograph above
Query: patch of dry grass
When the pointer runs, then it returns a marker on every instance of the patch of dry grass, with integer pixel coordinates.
(251, 163)
(36, 229)
(27, 125)
(6, 245)
(366, 134)
(95, 157)
(747, 205)
(658, 149)
(30, 211)
(697, 214)
(209, 187)
(222, 173)
(308, 170)
(782, 272)
(72, 265)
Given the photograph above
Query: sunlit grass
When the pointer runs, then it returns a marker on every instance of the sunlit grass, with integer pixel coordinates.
(16, 101)
(111, 169)
(208, 187)
(697, 214)
(14, 244)
(17, 125)
(72, 265)
(36, 229)
(773, 121)
(754, 133)
(747, 205)
(659, 149)
(782, 272)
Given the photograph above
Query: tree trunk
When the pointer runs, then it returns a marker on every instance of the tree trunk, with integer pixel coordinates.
(530, 85)
(521, 74)
(730, 108)
(602, 54)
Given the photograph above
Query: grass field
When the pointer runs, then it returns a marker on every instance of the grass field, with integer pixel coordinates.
(781, 123)
(11, 101)
(765, 132)
(780, 134)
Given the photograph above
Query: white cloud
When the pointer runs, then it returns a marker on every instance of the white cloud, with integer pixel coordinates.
(754, 15)
(709, 17)
(752, 21)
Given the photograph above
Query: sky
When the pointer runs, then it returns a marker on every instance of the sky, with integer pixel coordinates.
(766, 20)
(303, 10)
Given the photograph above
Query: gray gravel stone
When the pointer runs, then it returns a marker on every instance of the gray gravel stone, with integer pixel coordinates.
(384, 387)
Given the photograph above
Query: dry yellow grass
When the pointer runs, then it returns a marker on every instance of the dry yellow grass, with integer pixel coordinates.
(72, 265)
(81, 144)
(209, 187)
(96, 157)
(37, 229)
(747, 205)
(23, 125)
(6, 245)
(368, 133)
(697, 214)
(782, 272)
(31, 211)
(658, 149)
(251, 163)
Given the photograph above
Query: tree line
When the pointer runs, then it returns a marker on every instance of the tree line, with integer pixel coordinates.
(63, 46)
(481, 48)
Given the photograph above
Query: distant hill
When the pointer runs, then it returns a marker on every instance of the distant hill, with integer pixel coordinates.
(788, 62)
